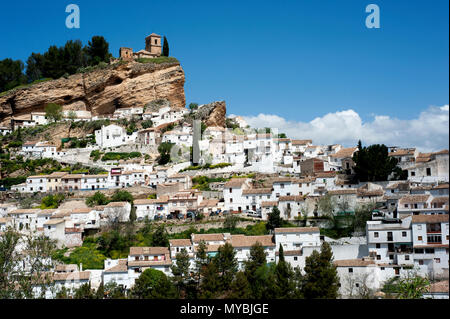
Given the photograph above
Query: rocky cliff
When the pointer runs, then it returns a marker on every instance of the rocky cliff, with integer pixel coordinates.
(101, 90)
(213, 114)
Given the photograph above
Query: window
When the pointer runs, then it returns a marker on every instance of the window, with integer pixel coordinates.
(406, 257)
(375, 234)
(378, 245)
(350, 270)
(428, 171)
(419, 238)
(382, 268)
(413, 173)
(295, 258)
(420, 261)
(378, 257)
(404, 234)
(436, 239)
(437, 260)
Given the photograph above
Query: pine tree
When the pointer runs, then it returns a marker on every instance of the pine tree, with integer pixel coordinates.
(180, 269)
(240, 288)
(284, 277)
(256, 260)
(226, 264)
(201, 259)
(321, 279)
(165, 47)
(274, 220)
(210, 284)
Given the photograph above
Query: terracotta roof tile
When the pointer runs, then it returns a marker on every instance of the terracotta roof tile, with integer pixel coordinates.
(248, 241)
(297, 230)
(148, 251)
(420, 219)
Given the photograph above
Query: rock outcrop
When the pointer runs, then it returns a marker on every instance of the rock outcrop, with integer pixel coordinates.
(213, 114)
(101, 90)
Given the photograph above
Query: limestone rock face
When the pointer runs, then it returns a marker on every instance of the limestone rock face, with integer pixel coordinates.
(101, 91)
(213, 114)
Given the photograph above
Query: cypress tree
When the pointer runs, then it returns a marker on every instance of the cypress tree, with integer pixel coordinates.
(284, 275)
(165, 47)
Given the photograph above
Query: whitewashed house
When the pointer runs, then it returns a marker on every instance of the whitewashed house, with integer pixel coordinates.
(94, 182)
(430, 240)
(232, 193)
(113, 135)
(242, 245)
(297, 243)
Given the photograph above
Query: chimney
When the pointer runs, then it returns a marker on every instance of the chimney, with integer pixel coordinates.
(81, 267)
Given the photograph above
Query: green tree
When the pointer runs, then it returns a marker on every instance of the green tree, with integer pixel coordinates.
(18, 276)
(52, 201)
(153, 284)
(193, 106)
(326, 206)
(53, 112)
(97, 199)
(35, 67)
(321, 279)
(160, 237)
(165, 51)
(274, 219)
(226, 264)
(373, 163)
(122, 196)
(53, 63)
(164, 152)
(133, 215)
(256, 260)
(147, 123)
(284, 277)
(240, 287)
(180, 270)
(412, 286)
(230, 222)
(98, 50)
(114, 291)
(201, 260)
(73, 57)
(85, 292)
(210, 286)
(363, 213)
(11, 74)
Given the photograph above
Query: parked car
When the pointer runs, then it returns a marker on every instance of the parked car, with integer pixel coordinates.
(180, 216)
(225, 212)
(252, 213)
(170, 216)
(213, 213)
(190, 215)
(158, 217)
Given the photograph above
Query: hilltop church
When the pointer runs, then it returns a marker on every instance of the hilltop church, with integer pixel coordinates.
(152, 49)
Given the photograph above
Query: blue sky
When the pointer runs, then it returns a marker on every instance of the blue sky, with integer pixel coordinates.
(296, 59)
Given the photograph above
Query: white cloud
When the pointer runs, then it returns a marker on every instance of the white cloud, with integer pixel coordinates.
(428, 132)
